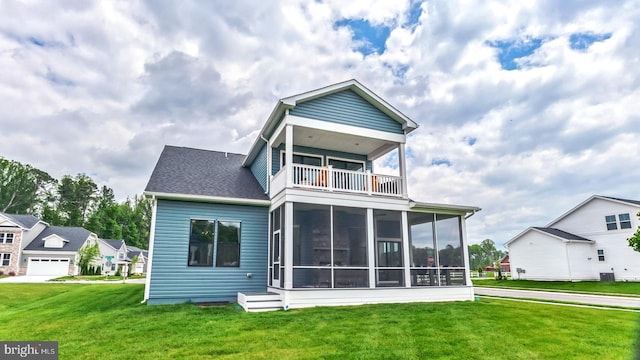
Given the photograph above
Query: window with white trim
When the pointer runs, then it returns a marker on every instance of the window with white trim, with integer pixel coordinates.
(611, 222)
(6, 238)
(221, 237)
(625, 221)
(5, 259)
(600, 255)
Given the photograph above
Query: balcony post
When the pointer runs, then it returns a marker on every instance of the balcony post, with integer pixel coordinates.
(403, 169)
(369, 182)
(289, 155)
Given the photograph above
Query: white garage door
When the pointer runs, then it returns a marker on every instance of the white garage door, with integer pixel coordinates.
(46, 266)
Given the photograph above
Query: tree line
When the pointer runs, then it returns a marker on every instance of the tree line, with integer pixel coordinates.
(484, 254)
(73, 201)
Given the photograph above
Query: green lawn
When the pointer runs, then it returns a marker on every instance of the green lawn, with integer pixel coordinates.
(106, 321)
(96, 277)
(630, 288)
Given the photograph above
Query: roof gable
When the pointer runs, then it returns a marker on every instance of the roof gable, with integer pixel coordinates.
(25, 221)
(114, 243)
(76, 237)
(605, 198)
(553, 233)
(347, 108)
(375, 105)
(188, 171)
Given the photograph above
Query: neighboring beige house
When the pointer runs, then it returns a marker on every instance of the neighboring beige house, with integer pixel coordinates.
(589, 242)
(29, 246)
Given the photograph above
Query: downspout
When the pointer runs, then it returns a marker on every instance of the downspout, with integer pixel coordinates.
(566, 252)
(152, 235)
(266, 142)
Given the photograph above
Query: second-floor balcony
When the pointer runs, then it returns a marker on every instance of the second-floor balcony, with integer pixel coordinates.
(326, 178)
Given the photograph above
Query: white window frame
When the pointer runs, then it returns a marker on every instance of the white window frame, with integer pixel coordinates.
(628, 221)
(5, 235)
(364, 163)
(321, 157)
(600, 253)
(215, 243)
(2, 259)
(614, 222)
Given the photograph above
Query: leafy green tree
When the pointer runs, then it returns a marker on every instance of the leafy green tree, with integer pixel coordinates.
(634, 241)
(23, 188)
(76, 195)
(88, 254)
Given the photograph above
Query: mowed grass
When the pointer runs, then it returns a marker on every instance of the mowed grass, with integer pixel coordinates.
(107, 321)
(618, 287)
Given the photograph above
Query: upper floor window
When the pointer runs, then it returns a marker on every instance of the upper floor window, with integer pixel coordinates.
(304, 159)
(611, 222)
(121, 256)
(600, 255)
(6, 238)
(625, 221)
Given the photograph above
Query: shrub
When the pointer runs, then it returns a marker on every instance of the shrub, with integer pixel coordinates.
(1, 272)
(12, 273)
(118, 272)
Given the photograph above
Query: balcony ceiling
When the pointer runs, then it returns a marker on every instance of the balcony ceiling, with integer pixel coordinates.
(338, 141)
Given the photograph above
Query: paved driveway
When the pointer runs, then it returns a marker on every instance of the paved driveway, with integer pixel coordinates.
(601, 300)
(27, 279)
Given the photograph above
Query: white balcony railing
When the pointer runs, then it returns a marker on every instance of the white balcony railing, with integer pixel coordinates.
(330, 179)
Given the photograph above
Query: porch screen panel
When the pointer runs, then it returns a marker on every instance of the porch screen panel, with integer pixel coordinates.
(424, 268)
(311, 245)
(350, 258)
(450, 252)
(388, 240)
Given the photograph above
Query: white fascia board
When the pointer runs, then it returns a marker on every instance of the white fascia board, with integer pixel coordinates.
(518, 236)
(341, 199)
(48, 253)
(204, 198)
(442, 208)
(107, 244)
(346, 129)
(278, 110)
(54, 235)
(407, 124)
(586, 202)
(11, 222)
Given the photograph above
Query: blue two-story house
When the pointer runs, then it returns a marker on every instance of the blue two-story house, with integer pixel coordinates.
(303, 219)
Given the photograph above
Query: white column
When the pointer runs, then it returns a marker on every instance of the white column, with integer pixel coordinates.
(465, 251)
(371, 249)
(405, 249)
(289, 154)
(152, 235)
(403, 169)
(288, 245)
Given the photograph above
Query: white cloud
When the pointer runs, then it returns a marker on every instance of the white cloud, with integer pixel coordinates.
(100, 87)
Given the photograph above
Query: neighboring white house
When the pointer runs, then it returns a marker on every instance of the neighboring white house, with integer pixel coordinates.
(113, 254)
(589, 242)
(140, 267)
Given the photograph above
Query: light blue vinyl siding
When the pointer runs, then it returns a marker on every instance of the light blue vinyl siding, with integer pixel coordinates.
(347, 108)
(172, 281)
(259, 167)
(275, 159)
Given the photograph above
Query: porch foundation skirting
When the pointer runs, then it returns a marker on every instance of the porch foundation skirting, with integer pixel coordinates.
(302, 298)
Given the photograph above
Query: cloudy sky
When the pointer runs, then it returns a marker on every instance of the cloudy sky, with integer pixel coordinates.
(525, 108)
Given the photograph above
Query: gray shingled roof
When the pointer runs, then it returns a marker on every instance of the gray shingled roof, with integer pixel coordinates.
(636, 202)
(190, 171)
(76, 236)
(114, 243)
(26, 221)
(562, 234)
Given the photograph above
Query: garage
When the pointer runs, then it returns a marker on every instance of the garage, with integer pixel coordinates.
(48, 266)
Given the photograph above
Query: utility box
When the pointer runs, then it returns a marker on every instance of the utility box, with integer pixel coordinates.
(607, 277)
